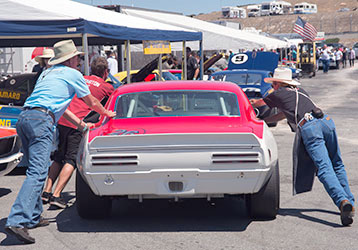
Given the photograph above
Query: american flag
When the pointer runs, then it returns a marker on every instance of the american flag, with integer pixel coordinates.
(306, 30)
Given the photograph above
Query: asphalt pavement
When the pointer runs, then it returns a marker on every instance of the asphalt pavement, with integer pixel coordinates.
(305, 221)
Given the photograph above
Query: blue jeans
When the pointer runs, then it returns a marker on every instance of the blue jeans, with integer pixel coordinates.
(320, 140)
(35, 130)
(325, 64)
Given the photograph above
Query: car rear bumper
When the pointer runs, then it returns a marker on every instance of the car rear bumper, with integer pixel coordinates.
(183, 183)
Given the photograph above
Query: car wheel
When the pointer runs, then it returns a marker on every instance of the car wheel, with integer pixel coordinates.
(265, 203)
(89, 205)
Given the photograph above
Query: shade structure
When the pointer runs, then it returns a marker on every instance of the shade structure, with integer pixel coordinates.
(215, 37)
(43, 22)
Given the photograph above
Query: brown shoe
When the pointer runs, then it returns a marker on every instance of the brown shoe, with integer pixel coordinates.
(347, 213)
(21, 233)
(42, 223)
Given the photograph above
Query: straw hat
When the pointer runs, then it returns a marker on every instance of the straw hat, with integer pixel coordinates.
(282, 75)
(64, 50)
(46, 53)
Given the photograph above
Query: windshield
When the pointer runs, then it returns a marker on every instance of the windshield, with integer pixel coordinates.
(240, 79)
(177, 103)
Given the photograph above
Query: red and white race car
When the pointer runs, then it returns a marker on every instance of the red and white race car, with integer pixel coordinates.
(10, 146)
(177, 140)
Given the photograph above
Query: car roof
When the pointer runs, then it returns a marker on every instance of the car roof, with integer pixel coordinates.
(177, 85)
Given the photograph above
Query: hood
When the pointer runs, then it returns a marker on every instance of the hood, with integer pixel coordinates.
(254, 60)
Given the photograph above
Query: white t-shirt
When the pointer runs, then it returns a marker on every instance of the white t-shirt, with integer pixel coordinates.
(339, 55)
(325, 54)
(112, 65)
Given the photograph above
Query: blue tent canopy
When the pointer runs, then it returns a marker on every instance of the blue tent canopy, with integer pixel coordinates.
(42, 23)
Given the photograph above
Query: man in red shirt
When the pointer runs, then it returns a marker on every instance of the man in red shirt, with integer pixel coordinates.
(64, 159)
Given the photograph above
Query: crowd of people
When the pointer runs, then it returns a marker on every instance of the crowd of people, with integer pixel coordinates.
(340, 55)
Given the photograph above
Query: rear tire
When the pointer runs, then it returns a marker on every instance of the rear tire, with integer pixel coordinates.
(89, 205)
(265, 203)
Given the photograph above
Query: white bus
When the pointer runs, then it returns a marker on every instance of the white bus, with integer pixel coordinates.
(305, 8)
(233, 12)
(275, 8)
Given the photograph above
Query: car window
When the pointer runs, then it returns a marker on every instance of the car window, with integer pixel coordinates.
(254, 79)
(177, 103)
(240, 78)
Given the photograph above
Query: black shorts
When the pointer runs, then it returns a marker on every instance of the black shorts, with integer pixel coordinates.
(69, 141)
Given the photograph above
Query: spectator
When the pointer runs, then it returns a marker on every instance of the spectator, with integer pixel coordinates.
(192, 65)
(65, 157)
(344, 57)
(53, 92)
(222, 63)
(325, 58)
(170, 63)
(112, 62)
(43, 61)
(351, 56)
(338, 54)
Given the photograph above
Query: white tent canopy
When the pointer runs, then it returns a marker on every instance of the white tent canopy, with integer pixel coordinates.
(215, 37)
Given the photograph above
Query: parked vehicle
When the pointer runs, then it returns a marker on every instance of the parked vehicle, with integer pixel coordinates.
(249, 70)
(253, 84)
(13, 94)
(275, 8)
(233, 12)
(306, 58)
(10, 146)
(177, 140)
(253, 10)
(305, 8)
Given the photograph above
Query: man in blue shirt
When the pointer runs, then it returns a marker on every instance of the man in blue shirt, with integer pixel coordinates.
(53, 92)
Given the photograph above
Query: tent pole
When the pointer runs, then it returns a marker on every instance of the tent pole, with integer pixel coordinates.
(85, 49)
(128, 55)
(184, 67)
(122, 56)
(160, 66)
(201, 59)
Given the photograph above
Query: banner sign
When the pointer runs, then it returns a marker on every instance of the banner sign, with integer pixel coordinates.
(156, 47)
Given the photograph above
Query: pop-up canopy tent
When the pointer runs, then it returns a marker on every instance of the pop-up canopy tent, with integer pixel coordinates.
(23, 23)
(215, 37)
(43, 23)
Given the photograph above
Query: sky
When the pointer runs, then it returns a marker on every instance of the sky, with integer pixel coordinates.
(186, 7)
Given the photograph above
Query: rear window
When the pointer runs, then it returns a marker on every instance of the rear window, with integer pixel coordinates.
(177, 103)
(240, 79)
